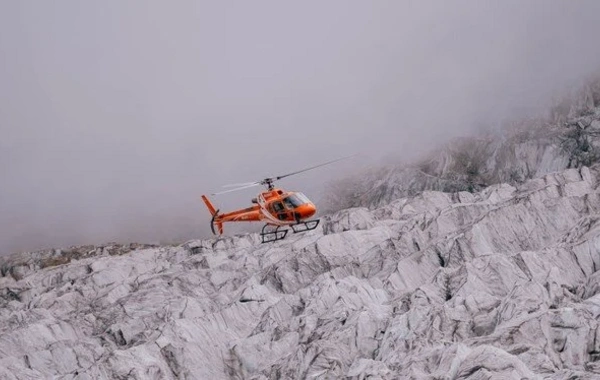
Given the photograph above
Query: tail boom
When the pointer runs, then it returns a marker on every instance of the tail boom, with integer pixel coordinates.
(249, 214)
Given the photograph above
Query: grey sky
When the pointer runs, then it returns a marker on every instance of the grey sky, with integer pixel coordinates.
(116, 116)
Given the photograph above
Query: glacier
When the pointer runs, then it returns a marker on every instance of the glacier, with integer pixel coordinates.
(481, 262)
(496, 284)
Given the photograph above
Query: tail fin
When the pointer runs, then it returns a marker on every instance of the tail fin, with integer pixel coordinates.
(210, 206)
(215, 214)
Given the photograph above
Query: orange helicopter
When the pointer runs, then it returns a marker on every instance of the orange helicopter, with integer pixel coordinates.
(276, 207)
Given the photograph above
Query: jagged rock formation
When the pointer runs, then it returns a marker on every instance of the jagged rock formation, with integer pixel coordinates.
(528, 149)
(500, 283)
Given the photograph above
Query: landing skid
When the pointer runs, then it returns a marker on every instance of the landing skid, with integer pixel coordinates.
(309, 225)
(270, 236)
(277, 234)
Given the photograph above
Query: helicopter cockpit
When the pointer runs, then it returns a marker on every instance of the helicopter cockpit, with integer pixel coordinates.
(294, 200)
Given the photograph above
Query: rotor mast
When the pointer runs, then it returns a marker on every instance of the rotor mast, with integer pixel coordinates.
(268, 182)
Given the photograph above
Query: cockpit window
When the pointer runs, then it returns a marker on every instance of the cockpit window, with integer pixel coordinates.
(302, 197)
(277, 206)
(294, 200)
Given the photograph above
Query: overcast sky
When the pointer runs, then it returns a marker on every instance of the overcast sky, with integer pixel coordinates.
(116, 116)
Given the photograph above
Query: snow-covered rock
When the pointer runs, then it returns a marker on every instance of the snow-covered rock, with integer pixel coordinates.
(529, 149)
(499, 284)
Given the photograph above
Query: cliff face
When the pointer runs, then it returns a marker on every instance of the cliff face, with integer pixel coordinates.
(525, 150)
(498, 283)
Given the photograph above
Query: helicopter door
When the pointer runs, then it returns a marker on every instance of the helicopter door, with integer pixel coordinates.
(279, 210)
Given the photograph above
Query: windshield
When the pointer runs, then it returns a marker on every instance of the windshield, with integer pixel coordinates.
(294, 200)
(302, 197)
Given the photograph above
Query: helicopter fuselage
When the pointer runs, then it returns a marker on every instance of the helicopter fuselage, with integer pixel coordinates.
(281, 208)
(275, 207)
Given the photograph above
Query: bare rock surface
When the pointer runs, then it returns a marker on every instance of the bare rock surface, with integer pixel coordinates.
(498, 284)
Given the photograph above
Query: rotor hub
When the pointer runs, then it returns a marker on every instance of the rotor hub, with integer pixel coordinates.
(268, 182)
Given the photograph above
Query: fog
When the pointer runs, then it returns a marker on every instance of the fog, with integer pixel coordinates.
(116, 116)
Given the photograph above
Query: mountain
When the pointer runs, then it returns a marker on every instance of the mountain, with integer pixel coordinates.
(501, 282)
(565, 137)
(497, 279)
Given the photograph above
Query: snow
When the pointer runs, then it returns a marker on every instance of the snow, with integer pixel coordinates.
(498, 284)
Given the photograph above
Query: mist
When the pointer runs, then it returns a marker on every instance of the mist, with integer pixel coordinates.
(116, 116)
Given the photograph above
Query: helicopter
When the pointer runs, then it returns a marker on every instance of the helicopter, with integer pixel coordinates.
(278, 208)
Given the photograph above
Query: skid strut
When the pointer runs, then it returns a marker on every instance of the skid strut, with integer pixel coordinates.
(277, 234)
(270, 236)
(309, 225)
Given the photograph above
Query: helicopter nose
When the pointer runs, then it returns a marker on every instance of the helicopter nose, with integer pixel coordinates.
(306, 210)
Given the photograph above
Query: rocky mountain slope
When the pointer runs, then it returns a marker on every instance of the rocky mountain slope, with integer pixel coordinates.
(566, 137)
(481, 262)
(496, 284)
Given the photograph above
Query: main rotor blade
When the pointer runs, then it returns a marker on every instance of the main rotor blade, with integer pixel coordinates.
(237, 188)
(242, 184)
(269, 181)
(313, 167)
